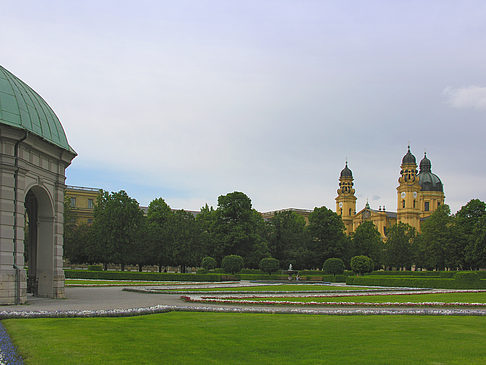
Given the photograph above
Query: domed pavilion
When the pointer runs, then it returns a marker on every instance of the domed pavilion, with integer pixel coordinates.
(34, 154)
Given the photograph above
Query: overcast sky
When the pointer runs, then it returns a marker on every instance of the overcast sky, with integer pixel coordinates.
(191, 99)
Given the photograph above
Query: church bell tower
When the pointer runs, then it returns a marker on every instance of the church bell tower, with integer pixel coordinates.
(346, 201)
(408, 190)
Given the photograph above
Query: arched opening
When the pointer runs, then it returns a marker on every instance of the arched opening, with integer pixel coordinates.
(39, 242)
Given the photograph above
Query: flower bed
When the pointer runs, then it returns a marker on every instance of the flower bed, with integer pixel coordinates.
(246, 299)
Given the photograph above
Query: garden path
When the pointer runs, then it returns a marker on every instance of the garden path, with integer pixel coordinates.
(103, 299)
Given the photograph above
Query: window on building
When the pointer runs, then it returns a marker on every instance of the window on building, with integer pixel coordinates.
(427, 207)
(438, 204)
(349, 211)
(73, 202)
(414, 204)
(90, 220)
(90, 204)
(403, 203)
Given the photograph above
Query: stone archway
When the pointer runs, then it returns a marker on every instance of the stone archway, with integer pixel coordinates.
(40, 241)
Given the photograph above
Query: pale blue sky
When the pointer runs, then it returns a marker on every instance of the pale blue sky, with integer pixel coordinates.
(188, 100)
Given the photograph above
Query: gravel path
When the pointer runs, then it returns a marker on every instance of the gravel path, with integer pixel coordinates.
(113, 301)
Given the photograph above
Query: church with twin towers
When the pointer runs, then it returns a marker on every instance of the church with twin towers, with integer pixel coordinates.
(419, 194)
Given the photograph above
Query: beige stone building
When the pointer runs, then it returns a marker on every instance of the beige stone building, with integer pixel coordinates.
(34, 154)
(419, 194)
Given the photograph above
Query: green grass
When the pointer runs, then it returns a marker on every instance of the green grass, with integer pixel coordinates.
(414, 298)
(224, 338)
(295, 287)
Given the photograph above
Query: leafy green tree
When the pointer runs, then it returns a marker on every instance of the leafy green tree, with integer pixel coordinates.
(435, 241)
(399, 250)
(239, 229)
(361, 264)
(117, 220)
(208, 263)
(366, 240)
(144, 252)
(158, 224)
(232, 264)
(206, 221)
(184, 245)
(333, 266)
(269, 265)
(287, 238)
(78, 245)
(468, 225)
(479, 249)
(327, 237)
(72, 247)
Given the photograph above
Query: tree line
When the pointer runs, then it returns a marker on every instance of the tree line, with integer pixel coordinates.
(121, 234)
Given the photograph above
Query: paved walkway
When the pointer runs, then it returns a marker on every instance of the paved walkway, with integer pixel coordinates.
(100, 301)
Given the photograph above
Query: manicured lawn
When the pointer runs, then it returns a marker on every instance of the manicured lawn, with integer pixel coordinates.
(414, 298)
(224, 338)
(294, 287)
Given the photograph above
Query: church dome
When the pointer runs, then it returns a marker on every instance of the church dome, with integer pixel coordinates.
(346, 172)
(22, 107)
(425, 164)
(409, 158)
(427, 180)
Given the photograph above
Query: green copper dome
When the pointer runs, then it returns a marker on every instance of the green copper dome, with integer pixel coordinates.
(22, 107)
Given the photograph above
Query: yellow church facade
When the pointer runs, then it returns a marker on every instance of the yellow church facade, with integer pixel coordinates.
(419, 194)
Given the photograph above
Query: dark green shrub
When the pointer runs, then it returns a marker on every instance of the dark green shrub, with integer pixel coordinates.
(135, 275)
(406, 273)
(261, 276)
(269, 265)
(232, 264)
(208, 263)
(361, 264)
(412, 282)
(446, 274)
(95, 268)
(333, 266)
(202, 271)
(466, 276)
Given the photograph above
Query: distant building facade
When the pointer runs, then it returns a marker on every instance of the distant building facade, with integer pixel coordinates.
(419, 194)
(82, 202)
(303, 212)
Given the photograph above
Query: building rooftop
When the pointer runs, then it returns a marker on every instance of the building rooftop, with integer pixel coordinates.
(22, 107)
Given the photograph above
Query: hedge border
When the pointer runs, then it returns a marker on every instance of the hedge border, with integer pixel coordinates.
(439, 283)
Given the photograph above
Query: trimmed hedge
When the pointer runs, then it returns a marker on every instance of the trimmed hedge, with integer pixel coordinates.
(95, 268)
(407, 273)
(262, 277)
(446, 274)
(152, 276)
(319, 272)
(466, 276)
(439, 283)
(333, 266)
